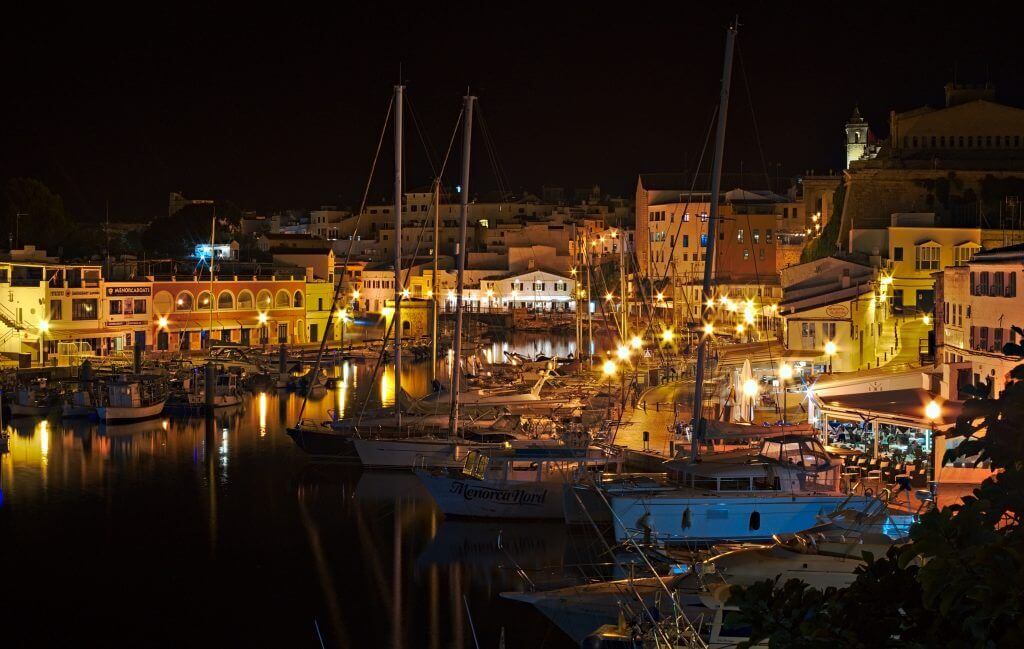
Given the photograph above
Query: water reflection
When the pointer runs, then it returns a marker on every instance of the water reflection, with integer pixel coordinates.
(216, 520)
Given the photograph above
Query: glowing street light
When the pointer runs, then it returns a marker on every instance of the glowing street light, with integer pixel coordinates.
(609, 297)
(660, 297)
(927, 319)
(162, 322)
(709, 328)
(740, 328)
(667, 335)
(932, 411)
(830, 351)
(355, 294)
(785, 374)
(750, 388)
(609, 367)
(44, 326)
(262, 318)
(622, 352)
(636, 342)
(405, 293)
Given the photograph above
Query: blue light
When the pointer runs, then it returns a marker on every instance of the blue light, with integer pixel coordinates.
(704, 240)
(458, 189)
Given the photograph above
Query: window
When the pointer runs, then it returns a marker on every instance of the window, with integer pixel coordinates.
(183, 302)
(739, 235)
(686, 241)
(927, 257)
(205, 301)
(56, 310)
(245, 300)
(997, 284)
(760, 254)
(140, 306)
(962, 255)
(686, 217)
(282, 300)
(897, 254)
(1011, 289)
(297, 299)
(757, 236)
(746, 254)
(264, 300)
(84, 309)
(704, 240)
(983, 338)
(983, 283)
(997, 339)
(807, 332)
(767, 236)
(226, 300)
(828, 330)
(114, 308)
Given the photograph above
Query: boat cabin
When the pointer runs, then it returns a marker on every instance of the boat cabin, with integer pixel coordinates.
(530, 465)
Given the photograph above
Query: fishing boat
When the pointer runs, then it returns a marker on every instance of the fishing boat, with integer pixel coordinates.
(128, 398)
(36, 399)
(191, 390)
(511, 483)
(78, 400)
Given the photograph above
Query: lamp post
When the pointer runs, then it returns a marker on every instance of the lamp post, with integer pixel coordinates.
(44, 326)
(830, 351)
(932, 411)
(785, 374)
(750, 392)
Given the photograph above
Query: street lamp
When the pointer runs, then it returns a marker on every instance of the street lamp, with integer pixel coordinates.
(44, 326)
(636, 342)
(622, 352)
(830, 351)
(932, 411)
(750, 391)
(667, 336)
(785, 374)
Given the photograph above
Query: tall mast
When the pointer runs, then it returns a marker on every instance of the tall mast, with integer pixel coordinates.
(433, 281)
(467, 134)
(624, 301)
(213, 302)
(707, 296)
(397, 321)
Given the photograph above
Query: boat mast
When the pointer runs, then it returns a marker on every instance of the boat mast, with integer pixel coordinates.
(707, 295)
(433, 281)
(213, 233)
(396, 322)
(467, 134)
(624, 301)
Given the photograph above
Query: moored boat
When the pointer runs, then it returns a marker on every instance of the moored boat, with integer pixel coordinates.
(129, 398)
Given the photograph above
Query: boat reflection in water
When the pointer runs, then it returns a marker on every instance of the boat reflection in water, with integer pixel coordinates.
(219, 522)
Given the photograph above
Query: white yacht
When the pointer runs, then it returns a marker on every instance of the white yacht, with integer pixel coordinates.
(511, 483)
(784, 486)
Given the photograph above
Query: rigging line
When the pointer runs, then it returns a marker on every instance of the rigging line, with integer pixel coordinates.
(505, 183)
(348, 257)
(764, 166)
(424, 138)
(408, 271)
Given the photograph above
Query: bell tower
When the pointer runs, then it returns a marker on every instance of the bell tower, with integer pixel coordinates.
(856, 137)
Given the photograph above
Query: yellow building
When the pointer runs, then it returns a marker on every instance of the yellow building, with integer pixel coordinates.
(319, 302)
(911, 250)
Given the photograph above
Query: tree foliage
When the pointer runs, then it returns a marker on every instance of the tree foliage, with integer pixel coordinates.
(958, 582)
(178, 234)
(43, 221)
(825, 244)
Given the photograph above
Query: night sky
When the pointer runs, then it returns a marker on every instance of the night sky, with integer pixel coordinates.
(282, 108)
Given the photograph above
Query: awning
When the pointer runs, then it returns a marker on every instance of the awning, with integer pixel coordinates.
(218, 325)
(726, 430)
(75, 334)
(895, 407)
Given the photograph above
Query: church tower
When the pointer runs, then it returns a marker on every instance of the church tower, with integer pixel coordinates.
(856, 137)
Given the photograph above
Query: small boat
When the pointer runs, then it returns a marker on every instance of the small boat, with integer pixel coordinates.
(78, 401)
(35, 400)
(131, 398)
(510, 483)
(192, 392)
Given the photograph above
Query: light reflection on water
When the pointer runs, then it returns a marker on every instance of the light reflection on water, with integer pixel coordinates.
(218, 520)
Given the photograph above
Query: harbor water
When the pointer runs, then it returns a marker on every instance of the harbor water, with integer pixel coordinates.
(193, 532)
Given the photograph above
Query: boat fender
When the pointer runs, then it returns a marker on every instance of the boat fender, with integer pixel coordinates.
(687, 516)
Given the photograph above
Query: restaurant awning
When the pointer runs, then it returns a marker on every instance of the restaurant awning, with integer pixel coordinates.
(724, 430)
(895, 407)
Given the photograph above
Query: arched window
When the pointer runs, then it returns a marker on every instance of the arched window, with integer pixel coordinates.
(163, 303)
(264, 300)
(183, 301)
(204, 301)
(297, 299)
(245, 300)
(226, 300)
(282, 300)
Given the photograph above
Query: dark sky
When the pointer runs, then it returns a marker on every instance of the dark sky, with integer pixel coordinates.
(282, 107)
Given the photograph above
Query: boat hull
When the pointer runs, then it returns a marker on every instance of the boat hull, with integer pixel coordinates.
(69, 411)
(323, 442)
(19, 410)
(407, 453)
(686, 519)
(457, 496)
(111, 413)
